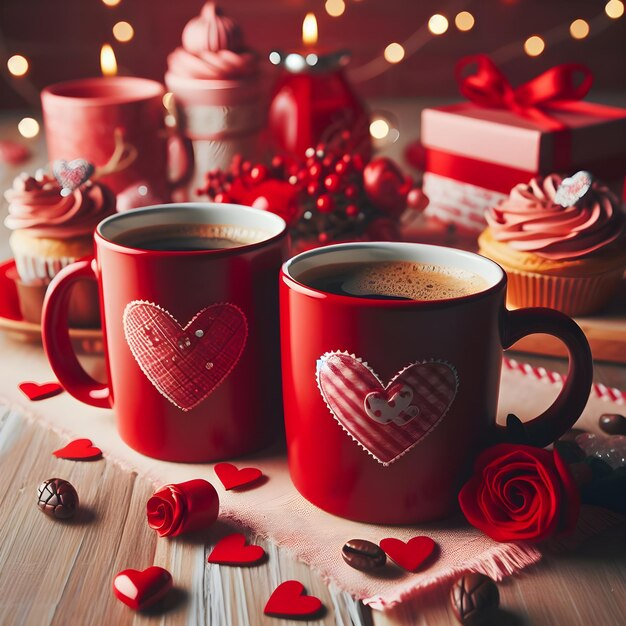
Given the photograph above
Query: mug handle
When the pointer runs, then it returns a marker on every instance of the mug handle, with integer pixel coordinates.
(180, 151)
(56, 337)
(572, 399)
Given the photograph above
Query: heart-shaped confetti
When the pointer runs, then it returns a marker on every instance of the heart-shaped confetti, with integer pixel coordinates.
(290, 600)
(232, 550)
(572, 189)
(141, 589)
(410, 555)
(232, 477)
(71, 175)
(78, 449)
(40, 391)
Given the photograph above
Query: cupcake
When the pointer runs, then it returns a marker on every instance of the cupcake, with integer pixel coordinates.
(565, 253)
(51, 231)
(217, 91)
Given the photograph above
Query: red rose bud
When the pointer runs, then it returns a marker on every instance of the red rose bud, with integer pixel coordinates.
(520, 493)
(183, 507)
(386, 186)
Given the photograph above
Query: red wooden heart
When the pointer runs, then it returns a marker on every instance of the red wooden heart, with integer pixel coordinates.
(232, 550)
(78, 449)
(141, 589)
(232, 477)
(410, 555)
(185, 364)
(386, 420)
(289, 600)
(40, 391)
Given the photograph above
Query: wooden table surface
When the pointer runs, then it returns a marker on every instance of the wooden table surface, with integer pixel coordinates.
(53, 573)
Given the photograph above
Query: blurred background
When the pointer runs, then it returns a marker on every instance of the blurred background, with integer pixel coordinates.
(62, 40)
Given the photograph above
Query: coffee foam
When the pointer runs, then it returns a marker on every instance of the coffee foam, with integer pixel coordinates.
(415, 281)
(239, 235)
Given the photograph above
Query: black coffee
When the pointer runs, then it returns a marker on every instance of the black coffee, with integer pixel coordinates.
(393, 280)
(181, 237)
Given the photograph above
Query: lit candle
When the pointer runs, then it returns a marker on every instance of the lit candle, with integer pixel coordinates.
(108, 63)
(313, 95)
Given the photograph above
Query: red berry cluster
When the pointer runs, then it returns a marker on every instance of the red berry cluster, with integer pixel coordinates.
(333, 194)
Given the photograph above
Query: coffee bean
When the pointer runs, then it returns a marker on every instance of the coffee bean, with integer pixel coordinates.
(569, 451)
(474, 599)
(57, 498)
(613, 423)
(363, 555)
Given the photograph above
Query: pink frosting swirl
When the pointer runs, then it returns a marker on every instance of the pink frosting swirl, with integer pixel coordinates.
(212, 49)
(38, 206)
(530, 220)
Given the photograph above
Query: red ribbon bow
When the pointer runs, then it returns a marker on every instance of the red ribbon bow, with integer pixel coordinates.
(489, 87)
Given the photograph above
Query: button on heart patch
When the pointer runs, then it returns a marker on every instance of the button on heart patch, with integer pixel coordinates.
(386, 420)
(185, 364)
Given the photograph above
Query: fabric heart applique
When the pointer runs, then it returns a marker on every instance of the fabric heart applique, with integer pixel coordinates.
(572, 189)
(387, 421)
(72, 175)
(232, 550)
(186, 364)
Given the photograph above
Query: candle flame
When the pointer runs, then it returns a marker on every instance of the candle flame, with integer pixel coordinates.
(108, 63)
(309, 30)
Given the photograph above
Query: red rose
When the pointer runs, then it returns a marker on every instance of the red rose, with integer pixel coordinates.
(184, 507)
(520, 493)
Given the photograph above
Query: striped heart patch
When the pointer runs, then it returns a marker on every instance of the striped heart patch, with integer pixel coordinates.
(386, 420)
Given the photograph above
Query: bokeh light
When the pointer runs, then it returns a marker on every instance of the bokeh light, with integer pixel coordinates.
(123, 31)
(614, 9)
(534, 46)
(28, 127)
(438, 24)
(379, 129)
(579, 29)
(394, 53)
(17, 65)
(111, 3)
(335, 8)
(464, 21)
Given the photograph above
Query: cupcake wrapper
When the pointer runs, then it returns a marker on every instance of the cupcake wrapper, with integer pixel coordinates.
(570, 295)
(35, 269)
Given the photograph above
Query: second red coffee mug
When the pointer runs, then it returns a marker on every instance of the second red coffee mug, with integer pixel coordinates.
(387, 402)
(190, 334)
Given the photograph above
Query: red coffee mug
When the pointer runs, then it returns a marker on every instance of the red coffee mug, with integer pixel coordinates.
(191, 337)
(388, 402)
(92, 118)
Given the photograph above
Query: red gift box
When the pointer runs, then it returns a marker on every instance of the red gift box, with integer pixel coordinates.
(477, 151)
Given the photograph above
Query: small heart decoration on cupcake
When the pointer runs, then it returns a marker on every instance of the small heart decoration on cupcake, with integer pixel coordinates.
(72, 174)
(572, 189)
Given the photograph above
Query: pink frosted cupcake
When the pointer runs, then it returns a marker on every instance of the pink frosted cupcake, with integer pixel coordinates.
(215, 82)
(51, 231)
(570, 258)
